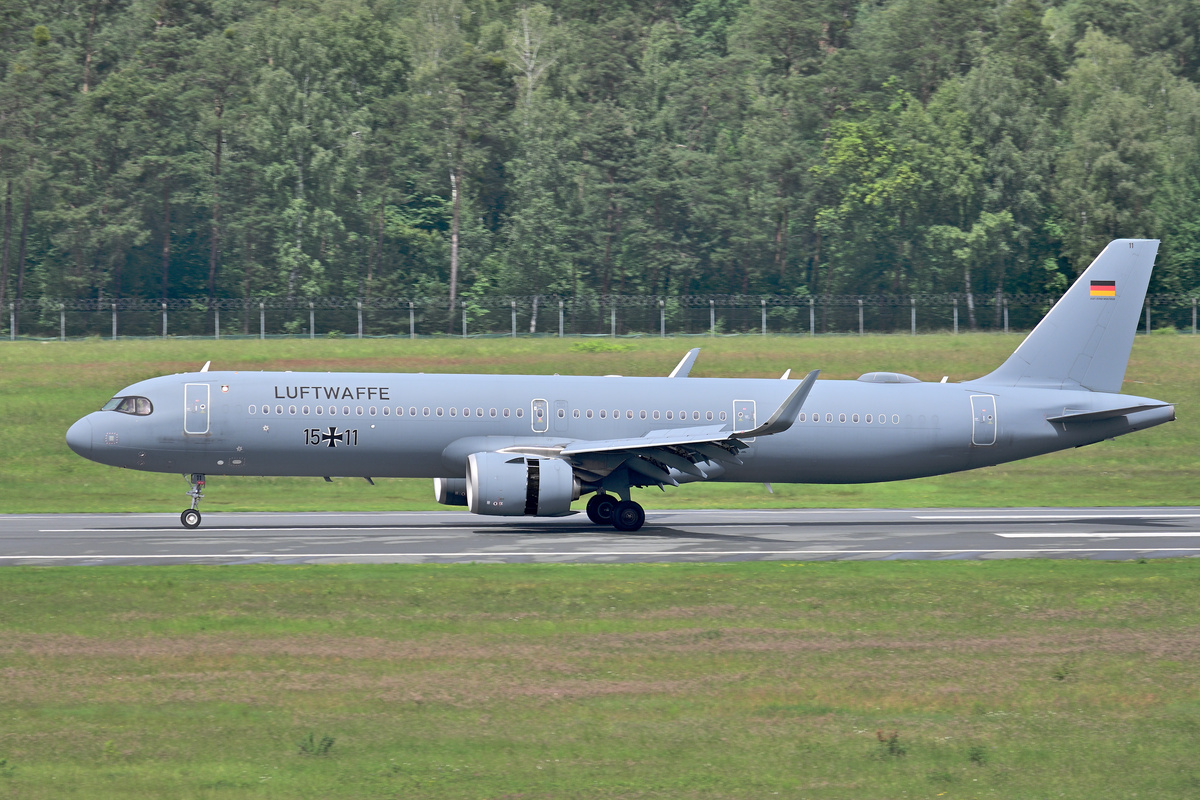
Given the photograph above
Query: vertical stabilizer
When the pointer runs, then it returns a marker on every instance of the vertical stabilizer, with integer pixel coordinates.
(1084, 341)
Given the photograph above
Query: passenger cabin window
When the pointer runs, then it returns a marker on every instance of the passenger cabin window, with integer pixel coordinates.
(137, 406)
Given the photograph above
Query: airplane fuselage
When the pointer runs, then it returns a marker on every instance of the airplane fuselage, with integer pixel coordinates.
(391, 425)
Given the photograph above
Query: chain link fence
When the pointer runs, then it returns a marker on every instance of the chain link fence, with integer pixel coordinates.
(548, 315)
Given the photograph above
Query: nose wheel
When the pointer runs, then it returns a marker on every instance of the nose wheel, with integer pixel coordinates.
(191, 517)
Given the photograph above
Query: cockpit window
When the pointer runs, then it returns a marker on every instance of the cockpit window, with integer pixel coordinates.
(138, 406)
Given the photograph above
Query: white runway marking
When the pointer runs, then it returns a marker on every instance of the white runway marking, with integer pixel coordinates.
(1066, 517)
(574, 554)
(1113, 535)
(180, 530)
(399, 529)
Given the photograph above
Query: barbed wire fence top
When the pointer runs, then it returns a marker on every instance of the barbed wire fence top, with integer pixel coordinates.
(523, 315)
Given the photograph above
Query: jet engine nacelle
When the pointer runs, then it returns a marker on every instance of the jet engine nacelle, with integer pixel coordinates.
(450, 491)
(505, 485)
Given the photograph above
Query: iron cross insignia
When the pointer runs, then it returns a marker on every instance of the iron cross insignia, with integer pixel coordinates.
(333, 438)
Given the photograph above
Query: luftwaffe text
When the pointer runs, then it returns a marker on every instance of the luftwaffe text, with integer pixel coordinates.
(332, 392)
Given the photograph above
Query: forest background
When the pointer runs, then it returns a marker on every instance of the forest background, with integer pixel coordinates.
(454, 149)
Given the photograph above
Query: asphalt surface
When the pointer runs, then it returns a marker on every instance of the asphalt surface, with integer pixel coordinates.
(668, 536)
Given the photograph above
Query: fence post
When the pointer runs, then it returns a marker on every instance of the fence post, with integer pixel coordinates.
(1147, 318)
(662, 320)
(464, 313)
(860, 317)
(1193, 316)
(12, 322)
(514, 318)
(712, 318)
(764, 317)
(560, 319)
(359, 304)
(956, 315)
(217, 323)
(262, 321)
(1005, 302)
(913, 322)
(812, 318)
(62, 323)
(614, 317)
(114, 310)
(164, 312)
(312, 321)
(412, 322)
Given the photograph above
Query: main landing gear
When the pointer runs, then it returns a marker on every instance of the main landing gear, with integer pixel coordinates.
(191, 517)
(624, 515)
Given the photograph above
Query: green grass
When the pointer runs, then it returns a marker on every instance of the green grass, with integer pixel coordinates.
(1015, 679)
(46, 386)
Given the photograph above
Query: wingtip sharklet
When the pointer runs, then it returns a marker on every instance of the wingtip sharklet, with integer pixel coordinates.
(684, 367)
(786, 414)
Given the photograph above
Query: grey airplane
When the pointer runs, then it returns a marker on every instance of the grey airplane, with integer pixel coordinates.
(512, 445)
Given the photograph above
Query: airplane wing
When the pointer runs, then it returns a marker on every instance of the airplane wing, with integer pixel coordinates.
(656, 454)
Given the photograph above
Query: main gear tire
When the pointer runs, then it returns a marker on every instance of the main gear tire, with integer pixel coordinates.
(600, 509)
(628, 516)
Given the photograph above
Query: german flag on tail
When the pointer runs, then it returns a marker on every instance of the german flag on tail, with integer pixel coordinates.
(1104, 288)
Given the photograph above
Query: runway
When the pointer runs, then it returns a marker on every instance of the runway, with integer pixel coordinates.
(446, 537)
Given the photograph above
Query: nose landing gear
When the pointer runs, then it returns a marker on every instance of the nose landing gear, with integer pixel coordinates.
(191, 517)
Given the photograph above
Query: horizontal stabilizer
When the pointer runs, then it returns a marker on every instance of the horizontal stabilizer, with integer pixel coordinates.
(1108, 413)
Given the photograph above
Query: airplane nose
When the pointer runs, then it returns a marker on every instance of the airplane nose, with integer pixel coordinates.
(79, 437)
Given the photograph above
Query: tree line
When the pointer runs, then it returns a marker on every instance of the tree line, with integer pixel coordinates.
(471, 148)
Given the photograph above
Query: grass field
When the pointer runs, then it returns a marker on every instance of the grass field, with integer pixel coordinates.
(46, 386)
(1011, 679)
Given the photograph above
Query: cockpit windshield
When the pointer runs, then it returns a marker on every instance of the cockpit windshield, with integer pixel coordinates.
(138, 406)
